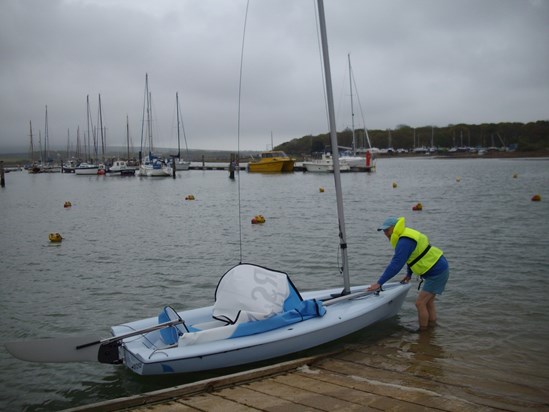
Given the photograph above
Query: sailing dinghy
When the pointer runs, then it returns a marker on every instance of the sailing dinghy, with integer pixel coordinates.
(258, 313)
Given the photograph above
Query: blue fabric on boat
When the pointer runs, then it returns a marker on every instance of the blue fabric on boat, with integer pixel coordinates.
(306, 309)
(170, 334)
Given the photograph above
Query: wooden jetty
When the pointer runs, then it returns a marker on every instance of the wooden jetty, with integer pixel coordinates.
(398, 375)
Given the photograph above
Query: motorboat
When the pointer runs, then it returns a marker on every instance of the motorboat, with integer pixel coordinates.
(272, 161)
(325, 164)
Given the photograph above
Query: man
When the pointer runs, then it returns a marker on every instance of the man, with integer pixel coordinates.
(426, 261)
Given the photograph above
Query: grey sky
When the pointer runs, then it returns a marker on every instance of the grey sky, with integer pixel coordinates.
(415, 62)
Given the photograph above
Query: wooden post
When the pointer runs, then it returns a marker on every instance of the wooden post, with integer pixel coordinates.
(173, 167)
(232, 166)
(203, 165)
(2, 180)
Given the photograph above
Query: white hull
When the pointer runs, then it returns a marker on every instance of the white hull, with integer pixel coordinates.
(182, 165)
(120, 168)
(86, 171)
(341, 319)
(323, 167)
(354, 161)
(149, 171)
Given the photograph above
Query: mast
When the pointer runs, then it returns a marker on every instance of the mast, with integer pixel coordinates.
(87, 146)
(352, 109)
(177, 108)
(68, 143)
(103, 137)
(40, 147)
(31, 144)
(46, 143)
(335, 151)
(78, 153)
(128, 137)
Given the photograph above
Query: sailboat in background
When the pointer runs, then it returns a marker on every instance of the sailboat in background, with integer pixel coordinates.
(48, 165)
(121, 167)
(356, 162)
(88, 167)
(152, 165)
(181, 164)
(33, 167)
(258, 313)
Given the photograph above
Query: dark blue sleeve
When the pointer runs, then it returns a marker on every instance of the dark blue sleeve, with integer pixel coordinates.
(404, 248)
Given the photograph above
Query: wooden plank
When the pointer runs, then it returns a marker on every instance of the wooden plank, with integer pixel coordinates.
(214, 403)
(207, 385)
(253, 399)
(395, 376)
(312, 399)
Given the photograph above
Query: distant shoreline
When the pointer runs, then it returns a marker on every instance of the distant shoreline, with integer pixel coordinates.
(16, 160)
(466, 155)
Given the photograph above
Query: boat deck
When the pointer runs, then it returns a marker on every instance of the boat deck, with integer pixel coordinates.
(397, 376)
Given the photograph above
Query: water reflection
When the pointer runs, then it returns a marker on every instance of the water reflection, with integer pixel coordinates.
(425, 353)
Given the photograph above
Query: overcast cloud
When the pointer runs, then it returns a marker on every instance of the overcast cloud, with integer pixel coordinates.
(415, 62)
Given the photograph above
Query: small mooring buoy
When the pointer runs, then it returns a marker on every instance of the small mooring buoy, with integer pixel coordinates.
(258, 219)
(536, 198)
(394, 185)
(321, 190)
(189, 197)
(515, 175)
(417, 206)
(458, 179)
(67, 204)
(55, 237)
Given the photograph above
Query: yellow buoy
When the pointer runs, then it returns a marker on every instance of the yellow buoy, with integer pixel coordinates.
(536, 198)
(321, 190)
(55, 237)
(258, 219)
(394, 185)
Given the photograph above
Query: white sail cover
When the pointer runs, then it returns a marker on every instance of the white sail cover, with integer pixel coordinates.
(248, 292)
(251, 299)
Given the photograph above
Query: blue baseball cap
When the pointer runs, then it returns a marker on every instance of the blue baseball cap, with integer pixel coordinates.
(387, 223)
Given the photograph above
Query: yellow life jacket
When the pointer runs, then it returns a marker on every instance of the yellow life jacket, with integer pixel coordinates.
(424, 256)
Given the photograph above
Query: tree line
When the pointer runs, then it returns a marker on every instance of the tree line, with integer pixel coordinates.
(527, 137)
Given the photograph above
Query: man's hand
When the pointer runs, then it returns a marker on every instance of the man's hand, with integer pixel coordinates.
(405, 279)
(374, 286)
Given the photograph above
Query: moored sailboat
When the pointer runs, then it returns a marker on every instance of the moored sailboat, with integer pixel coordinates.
(152, 165)
(181, 164)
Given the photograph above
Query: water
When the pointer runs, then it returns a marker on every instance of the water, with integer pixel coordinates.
(133, 245)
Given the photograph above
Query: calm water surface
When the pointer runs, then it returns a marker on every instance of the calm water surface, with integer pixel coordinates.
(133, 245)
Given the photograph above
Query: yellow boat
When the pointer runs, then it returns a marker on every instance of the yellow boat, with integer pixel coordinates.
(273, 161)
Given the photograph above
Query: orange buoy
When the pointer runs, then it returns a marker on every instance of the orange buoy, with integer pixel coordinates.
(258, 219)
(189, 197)
(55, 237)
(418, 206)
(67, 204)
(536, 198)
(321, 190)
